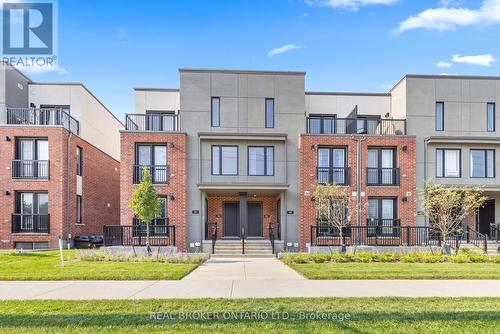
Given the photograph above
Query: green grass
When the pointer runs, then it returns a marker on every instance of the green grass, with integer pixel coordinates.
(46, 266)
(366, 315)
(398, 270)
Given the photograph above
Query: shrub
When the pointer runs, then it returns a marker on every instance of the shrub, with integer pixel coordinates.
(460, 258)
(431, 258)
(342, 258)
(363, 257)
(477, 258)
(320, 258)
(409, 258)
(99, 256)
(388, 257)
(494, 258)
(465, 250)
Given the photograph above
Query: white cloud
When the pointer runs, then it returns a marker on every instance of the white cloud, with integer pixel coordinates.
(281, 49)
(444, 64)
(449, 18)
(42, 69)
(481, 60)
(348, 4)
(451, 3)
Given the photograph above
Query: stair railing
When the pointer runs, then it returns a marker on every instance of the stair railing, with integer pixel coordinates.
(214, 236)
(477, 239)
(495, 232)
(271, 236)
(243, 240)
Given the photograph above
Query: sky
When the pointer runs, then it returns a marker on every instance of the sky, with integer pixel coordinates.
(343, 45)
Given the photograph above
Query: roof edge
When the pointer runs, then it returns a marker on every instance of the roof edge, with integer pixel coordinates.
(206, 70)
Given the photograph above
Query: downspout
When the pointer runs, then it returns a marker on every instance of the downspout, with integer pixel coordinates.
(68, 189)
(359, 172)
(426, 219)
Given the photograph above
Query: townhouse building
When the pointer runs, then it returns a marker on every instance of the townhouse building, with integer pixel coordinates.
(59, 162)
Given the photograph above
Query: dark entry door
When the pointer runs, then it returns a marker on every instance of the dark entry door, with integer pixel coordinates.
(231, 219)
(254, 219)
(486, 217)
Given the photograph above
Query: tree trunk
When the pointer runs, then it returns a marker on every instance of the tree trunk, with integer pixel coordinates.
(148, 248)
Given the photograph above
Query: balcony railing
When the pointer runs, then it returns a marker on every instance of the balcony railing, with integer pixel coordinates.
(128, 235)
(152, 122)
(369, 126)
(30, 223)
(31, 116)
(30, 169)
(159, 173)
(382, 176)
(335, 175)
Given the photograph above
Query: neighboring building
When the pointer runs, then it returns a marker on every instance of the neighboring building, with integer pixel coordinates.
(59, 166)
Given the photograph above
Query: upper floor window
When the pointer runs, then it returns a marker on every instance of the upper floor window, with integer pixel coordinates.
(153, 157)
(160, 121)
(31, 159)
(317, 124)
(439, 116)
(382, 167)
(224, 160)
(79, 160)
(269, 113)
(447, 162)
(482, 163)
(215, 111)
(332, 165)
(365, 124)
(261, 160)
(490, 117)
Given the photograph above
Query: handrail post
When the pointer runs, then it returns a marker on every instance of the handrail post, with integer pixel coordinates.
(468, 234)
(407, 235)
(485, 244)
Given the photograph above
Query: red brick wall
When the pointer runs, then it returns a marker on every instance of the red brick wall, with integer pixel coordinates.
(177, 186)
(307, 177)
(216, 211)
(98, 167)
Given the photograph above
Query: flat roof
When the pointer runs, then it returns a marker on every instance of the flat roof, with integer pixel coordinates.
(153, 89)
(348, 93)
(206, 70)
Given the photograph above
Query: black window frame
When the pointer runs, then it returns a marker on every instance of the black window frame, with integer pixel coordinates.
(379, 155)
(34, 140)
(322, 118)
(266, 147)
(35, 193)
(485, 163)
(151, 160)
(395, 220)
(79, 210)
(330, 163)
(441, 126)
(212, 112)
(161, 113)
(265, 113)
(494, 117)
(220, 160)
(443, 163)
(79, 161)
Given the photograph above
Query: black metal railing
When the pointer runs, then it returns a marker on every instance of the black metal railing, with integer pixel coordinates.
(382, 176)
(335, 175)
(30, 223)
(211, 233)
(159, 173)
(166, 122)
(30, 169)
(243, 237)
(495, 232)
(32, 116)
(477, 239)
(370, 126)
(135, 235)
(271, 236)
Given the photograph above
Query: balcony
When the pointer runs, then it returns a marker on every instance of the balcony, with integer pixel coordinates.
(30, 169)
(333, 175)
(49, 117)
(164, 122)
(382, 176)
(368, 126)
(30, 223)
(159, 173)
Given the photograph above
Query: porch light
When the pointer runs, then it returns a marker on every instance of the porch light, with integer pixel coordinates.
(7, 193)
(172, 145)
(404, 148)
(7, 138)
(312, 147)
(172, 197)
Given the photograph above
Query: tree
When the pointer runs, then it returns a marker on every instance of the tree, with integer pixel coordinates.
(446, 207)
(332, 203)
(145, 203)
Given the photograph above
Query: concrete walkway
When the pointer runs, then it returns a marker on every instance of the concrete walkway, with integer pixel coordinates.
(246, 278)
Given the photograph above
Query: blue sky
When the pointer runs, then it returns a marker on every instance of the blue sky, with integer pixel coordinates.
(343, 45)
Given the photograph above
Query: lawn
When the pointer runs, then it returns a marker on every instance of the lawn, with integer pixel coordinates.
(46, 266)
(398, 270)
(366, 315)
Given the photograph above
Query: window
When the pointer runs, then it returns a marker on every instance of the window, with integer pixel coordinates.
(332, 165)
(160, 121)
(269, 113)
(447, 163)
(381, 167)
(317, 124)
(224, 160)
(482, 163)
(382, 213)
(490, 117)
(439, 116)
(154, 158)
(31, 159)
(364, 124)
(79, 160)
(79, 209)
(215, 111)
(31, 212)
(261, 160)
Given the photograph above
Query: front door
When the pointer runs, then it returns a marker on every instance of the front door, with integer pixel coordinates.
(255, 219)
(486, 217)
(231, 219)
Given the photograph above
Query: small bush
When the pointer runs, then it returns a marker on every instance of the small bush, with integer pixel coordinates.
(465, 250)
(431, 258)
(99, 256)
(477, 258)
(320, 258)
(363, 257)
(387, 257)
(342, 258)
(409, 258)
(494, 258)
(460, 258)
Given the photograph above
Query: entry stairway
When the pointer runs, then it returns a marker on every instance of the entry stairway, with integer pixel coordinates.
(234, 248)
(493, 248)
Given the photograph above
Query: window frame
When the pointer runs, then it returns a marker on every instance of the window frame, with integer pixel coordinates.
(266, 147)
(442, 116)
(485, 163)
(379, 150)
(220, 160)
(494, 117)
(322, 118)
(79, 210)
(212, 112)
(443, 163)
(34, 141)
(79, 161)
(265, 113)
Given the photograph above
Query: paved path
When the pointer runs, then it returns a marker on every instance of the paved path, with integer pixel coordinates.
(246, 278)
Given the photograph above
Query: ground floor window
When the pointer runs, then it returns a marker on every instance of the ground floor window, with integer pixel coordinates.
(31, 245)
(382, 213)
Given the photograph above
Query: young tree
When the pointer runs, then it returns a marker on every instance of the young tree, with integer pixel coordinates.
(145, 203)
(332, 203)
(446, 207)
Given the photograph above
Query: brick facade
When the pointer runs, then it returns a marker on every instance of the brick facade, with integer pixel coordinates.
(308, 144)
(100, 186)
(177, 186)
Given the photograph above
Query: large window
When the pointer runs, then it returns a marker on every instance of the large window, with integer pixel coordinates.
(490, 117)
(321, 124)
(32, 159)
(79, 160)
(332, 162)
(224, 160)
(382, 213)
(269, 113)
(79, 209)
(261, 160)
(382, 166)
(153, 157)
(160, 120)
(447, 162)
(439, 116)
(31, 212)
(482, 163)
(215, 111)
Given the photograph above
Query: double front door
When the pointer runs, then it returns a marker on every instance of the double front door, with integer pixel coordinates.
(232, 225)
